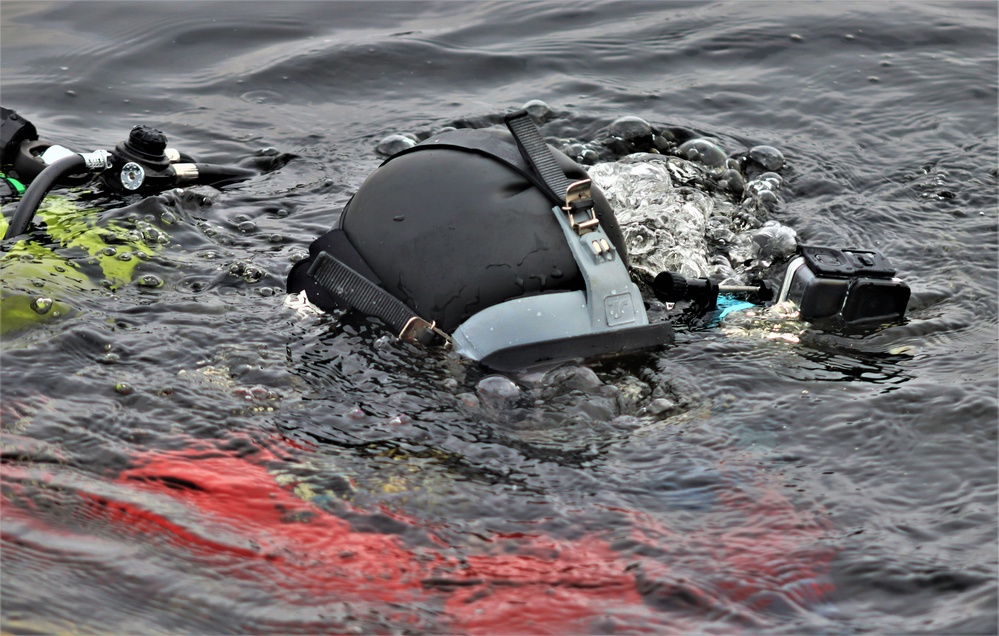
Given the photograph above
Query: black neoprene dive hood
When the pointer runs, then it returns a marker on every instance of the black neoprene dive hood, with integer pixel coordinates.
(492, 242)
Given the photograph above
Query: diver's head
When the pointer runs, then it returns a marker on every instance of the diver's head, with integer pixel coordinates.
(496, 239)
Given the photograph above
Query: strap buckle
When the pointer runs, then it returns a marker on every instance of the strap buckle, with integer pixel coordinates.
(579, 206)
(419, 331)
(357, 292)
(577, 197)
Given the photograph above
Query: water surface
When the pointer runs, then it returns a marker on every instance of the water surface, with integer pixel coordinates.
(184, 453)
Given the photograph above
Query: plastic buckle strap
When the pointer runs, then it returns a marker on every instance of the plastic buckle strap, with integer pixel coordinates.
(357, 292)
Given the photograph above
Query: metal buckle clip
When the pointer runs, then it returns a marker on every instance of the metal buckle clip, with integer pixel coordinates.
(418, 330)
(579, 206)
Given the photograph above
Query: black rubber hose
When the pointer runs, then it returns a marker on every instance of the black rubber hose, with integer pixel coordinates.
(25, 212)
(218, 176)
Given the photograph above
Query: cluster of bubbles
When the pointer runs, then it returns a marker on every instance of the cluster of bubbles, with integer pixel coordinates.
(578, 393)
(246, 271)
(664, 226)
(683, 204)
(686, 206)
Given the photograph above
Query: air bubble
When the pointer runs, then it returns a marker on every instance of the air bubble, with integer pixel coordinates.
(574, 379)
(630, 128)
(582, 154)
(394, 144)
(663, 226)
(773, 179)
(705, 153)
(469, 400)
(149, 280)
(497, 388)
(768, 157)
(246, 271)
(109, 358)
(673, 218)
(660, 406)
(537, 109)
(733, 181)
(575, 151)
(774, 241)
(664, 141)
(767, 197)
(41, 305)
(168, 218)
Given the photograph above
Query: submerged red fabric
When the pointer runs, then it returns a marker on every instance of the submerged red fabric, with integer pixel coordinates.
(209, 504)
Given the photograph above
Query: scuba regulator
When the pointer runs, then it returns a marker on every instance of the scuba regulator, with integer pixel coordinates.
(143, 164)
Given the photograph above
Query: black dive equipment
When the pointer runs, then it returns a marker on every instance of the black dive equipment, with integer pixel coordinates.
(142, 164)
(702, 293)
(493, 242)
(848, 286)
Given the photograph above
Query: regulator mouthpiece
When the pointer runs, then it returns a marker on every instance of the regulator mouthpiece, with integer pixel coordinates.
(670, 287)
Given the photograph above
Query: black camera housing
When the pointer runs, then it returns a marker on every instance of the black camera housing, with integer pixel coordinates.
(850, 286)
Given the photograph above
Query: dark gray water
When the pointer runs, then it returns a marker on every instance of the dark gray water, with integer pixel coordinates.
(185, 454)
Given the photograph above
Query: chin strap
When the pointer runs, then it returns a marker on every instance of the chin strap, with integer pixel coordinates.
(359, 293)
